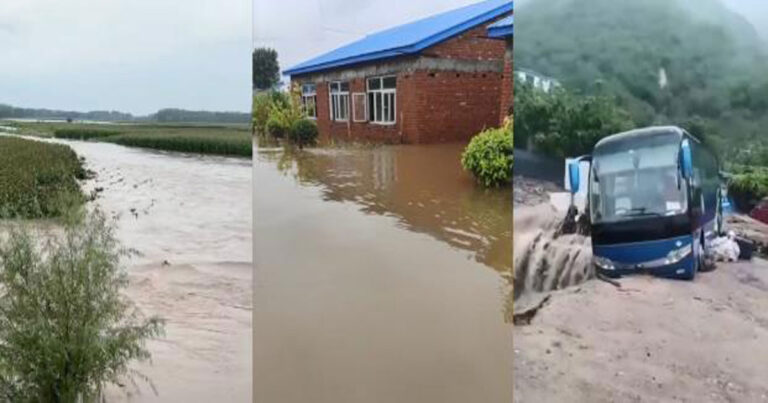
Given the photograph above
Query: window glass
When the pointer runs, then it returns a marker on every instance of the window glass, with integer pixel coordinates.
(390, 82)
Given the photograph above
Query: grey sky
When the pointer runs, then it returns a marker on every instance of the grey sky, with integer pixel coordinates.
(301, 29)
(130, 55)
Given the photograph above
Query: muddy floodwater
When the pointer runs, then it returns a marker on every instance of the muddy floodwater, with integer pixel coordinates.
(380, 276)
(190, 219)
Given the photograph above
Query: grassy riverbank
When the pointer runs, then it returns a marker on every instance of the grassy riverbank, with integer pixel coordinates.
(38, 180)
(201, 138)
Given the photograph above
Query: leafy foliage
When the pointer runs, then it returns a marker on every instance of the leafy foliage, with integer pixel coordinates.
(488, 156)
(303, 132)
(38, 179)
(66, 329)
(266, 70)
(563, 124)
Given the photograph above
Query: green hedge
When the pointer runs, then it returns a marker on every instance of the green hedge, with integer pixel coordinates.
(489, 157)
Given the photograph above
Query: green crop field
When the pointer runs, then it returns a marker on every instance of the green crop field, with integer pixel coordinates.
(218, 139)
(37, 179)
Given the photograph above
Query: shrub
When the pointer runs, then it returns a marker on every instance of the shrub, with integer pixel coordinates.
(748, 188)
(277, 127)
(66, 329)
(561, 123)
(489, 156)
(303, 132)
(261, 106)
(38, 179)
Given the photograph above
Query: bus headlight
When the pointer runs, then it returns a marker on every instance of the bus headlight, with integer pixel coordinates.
(603, 263)
(679, 254)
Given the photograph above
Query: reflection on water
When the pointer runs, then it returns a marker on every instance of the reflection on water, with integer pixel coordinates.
(424, 187)
(372, 280)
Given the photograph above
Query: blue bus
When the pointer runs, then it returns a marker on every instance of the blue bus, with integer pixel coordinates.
(653, 202)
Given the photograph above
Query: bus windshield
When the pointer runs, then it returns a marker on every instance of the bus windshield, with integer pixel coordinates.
(638, 179)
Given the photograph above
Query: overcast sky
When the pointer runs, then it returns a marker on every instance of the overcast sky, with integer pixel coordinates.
(130, 55)
(302, 29)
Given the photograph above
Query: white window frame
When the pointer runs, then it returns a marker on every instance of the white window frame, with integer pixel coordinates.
(356, 96)
(339, 95)
(385, 92)
(306, 96)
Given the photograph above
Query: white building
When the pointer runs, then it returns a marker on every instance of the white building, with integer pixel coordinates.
(539, 81)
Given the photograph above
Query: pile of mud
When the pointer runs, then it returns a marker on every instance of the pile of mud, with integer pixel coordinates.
(544, 261)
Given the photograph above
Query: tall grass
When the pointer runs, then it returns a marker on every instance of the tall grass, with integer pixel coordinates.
(38, 179)
(81, 133)
(203, 144)
(66, 328)
(199, 138)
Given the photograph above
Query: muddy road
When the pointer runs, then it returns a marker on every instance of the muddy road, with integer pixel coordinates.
(379, 278)
(190, 219)
(651, 339)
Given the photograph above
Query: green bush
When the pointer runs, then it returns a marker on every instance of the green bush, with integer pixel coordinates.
(277, 127)
(261, 106)
(38, 179)
(748, 187)
(489, 157)
(562, 124)
(83, 133)
(303, 132)
(66, 328)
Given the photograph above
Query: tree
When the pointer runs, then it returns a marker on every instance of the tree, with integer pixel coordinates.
(266, 70)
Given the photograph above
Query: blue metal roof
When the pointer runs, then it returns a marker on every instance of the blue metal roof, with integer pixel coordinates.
(501, 28)
(407, 39)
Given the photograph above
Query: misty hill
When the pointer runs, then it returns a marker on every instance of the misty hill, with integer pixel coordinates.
(756, 11)
(164, 115)
(665, 60)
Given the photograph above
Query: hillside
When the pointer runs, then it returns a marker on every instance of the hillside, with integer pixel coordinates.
(667, 61)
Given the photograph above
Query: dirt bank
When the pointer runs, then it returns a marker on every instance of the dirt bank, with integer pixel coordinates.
(650, 340)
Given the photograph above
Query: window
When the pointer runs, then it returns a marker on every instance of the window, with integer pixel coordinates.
(381, 99)
(309, 100)
(359, 107)
(339, 100)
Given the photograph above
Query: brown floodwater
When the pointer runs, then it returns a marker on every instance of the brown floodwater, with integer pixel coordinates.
(380, 276)
(189, 217)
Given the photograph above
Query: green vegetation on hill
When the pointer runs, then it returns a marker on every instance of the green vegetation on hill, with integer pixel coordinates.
(38, 179)
(664, 61)
(692, 63)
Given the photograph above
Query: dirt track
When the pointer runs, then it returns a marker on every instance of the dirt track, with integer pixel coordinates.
(650, 340)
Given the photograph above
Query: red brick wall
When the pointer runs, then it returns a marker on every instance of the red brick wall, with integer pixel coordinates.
(351, 130)
(450, 106)
(470, 45)
(507, 86)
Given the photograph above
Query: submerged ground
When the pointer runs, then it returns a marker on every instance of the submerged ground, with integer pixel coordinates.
(380, 277)
(650, 339)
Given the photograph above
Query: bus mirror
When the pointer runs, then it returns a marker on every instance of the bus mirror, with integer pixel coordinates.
(686, 160)
(573, 176)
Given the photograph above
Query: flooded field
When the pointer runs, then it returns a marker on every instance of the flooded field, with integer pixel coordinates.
(190, 219)
(381, 275)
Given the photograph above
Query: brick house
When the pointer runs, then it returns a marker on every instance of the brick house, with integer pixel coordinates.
(503, 29)
(438, 79)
